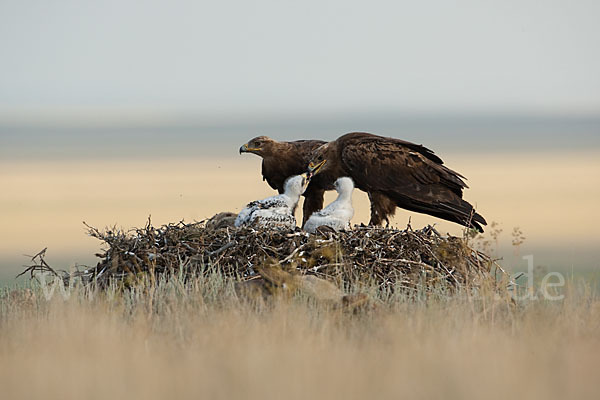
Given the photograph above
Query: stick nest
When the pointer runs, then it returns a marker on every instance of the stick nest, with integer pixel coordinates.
(387, 257)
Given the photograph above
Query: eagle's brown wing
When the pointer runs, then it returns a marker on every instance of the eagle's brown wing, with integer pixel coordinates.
(411, 175)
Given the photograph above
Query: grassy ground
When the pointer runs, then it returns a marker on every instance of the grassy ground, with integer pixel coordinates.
(199, 340)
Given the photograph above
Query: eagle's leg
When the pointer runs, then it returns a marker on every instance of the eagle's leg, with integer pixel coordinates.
(382, 207)
(313, 201)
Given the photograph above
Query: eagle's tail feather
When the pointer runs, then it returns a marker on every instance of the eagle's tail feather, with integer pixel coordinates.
(464, 214)
(459, 211)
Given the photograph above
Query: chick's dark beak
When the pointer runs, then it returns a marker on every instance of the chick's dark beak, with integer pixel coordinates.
(305, 181)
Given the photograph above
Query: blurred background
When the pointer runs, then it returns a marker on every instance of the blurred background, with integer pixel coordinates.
(116, 110)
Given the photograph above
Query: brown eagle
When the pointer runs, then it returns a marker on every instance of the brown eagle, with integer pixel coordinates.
(395, 173)
(284, 159)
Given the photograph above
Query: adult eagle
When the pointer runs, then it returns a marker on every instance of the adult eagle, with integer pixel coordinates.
(396, 173)
(284, 159)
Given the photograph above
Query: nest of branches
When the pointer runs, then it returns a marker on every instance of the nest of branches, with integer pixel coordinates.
(386, 257)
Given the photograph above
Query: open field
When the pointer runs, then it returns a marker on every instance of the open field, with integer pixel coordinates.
(198, 340)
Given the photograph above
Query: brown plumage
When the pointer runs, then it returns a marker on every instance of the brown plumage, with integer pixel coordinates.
(284, 159)
(396, 173)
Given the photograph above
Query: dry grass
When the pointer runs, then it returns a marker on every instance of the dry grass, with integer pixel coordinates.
(198, 340)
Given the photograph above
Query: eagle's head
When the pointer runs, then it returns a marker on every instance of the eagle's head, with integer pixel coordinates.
(318, 161)
(260, 145)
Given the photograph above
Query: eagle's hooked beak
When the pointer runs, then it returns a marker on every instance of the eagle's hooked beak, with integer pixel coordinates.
(245, 149)
(314, 169)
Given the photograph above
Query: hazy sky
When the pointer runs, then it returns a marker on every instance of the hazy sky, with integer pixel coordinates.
(263, 56)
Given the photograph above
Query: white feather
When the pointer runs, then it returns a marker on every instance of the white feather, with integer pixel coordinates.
(338, 214)
(275, 211)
